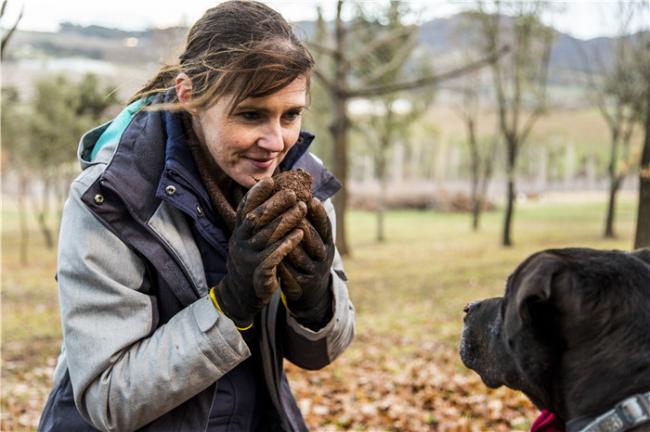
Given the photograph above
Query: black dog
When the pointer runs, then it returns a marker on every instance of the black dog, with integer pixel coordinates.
(573, 333)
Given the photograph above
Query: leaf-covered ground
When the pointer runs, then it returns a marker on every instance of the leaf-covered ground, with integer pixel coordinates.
(404, 384)
(402, 371)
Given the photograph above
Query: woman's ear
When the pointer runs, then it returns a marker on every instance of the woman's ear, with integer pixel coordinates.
(183, 85)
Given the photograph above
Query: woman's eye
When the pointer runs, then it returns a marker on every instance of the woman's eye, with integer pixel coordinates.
(293, 115)
(250, 115)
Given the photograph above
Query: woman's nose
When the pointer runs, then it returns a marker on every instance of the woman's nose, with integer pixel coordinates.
(272, 139)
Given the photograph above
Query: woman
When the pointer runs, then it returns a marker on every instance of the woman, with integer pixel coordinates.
(173, 237)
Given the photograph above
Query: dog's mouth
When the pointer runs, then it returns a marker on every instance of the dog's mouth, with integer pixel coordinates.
(474, 355)
(480, 334)
(467, 348)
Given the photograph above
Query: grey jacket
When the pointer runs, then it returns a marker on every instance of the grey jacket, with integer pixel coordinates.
(131, 359)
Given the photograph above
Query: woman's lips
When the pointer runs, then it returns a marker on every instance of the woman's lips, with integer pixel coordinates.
(261, 163)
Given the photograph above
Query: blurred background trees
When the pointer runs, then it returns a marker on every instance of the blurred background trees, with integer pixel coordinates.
(614, 88)
(427, 128)
(6, 36)
(502, 128)
(40, 137)
(520, 79)
(390, 115)
(348, 78)
(481, 149)
(641, 66)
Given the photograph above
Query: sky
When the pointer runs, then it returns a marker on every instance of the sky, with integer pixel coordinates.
(583, 19)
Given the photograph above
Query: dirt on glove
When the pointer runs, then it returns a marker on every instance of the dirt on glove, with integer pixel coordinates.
(298, 181)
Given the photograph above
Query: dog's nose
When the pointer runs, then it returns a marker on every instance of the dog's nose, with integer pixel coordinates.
(469, 307)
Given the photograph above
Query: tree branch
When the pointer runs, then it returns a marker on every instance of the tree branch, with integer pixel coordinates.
(321, 48)
(430, 80)
(598, 90)
(395, 63)
(6, 37)
(380, 41)
(324, 80)
(530, 123)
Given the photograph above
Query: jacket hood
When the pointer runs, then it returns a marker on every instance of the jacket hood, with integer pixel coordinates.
(98, 144)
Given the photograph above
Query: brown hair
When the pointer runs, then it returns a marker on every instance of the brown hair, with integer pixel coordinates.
(239, 48)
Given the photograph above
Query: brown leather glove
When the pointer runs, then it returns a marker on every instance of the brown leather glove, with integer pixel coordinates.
(305, 273)
(265, 232)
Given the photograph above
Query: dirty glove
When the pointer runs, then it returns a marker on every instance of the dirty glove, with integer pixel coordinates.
(305, 273)
(265, 232)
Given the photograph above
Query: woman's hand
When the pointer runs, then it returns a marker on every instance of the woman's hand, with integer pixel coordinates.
(305, 273)
(265, 232)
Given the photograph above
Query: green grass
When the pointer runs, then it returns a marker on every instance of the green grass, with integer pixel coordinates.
(410, 288)
(432, 264)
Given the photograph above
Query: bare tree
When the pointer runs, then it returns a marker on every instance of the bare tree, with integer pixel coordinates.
(642, 237)
(519, 79)
(339, 86)
(642, 55)
(386, 65)
(469, 107)
(614, 91)
(61, 112)
(15, 150)
(481, 152)
(54, 127)
(7, 36)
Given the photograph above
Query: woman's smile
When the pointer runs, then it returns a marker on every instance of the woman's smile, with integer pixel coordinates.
(261, 163)
(251, 140)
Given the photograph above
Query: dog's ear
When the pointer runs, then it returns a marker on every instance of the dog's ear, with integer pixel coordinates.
(529, 322)
(643, 254)
(532, 286)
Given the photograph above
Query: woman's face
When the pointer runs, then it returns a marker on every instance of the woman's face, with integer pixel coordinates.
(252, 141)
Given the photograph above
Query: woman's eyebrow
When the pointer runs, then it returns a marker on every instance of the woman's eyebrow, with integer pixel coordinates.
(262, 109)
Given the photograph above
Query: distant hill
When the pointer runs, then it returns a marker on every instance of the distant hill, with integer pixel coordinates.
(443, 38)
(156, 46)
(98, 43)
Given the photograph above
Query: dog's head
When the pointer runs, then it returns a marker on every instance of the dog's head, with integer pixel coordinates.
(572, 331)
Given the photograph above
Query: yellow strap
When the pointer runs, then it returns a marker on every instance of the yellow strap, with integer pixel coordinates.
(213, 297)
(284, 302)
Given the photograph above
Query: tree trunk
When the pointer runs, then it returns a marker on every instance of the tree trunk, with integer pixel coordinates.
(383, 187)
(475, 167)
(476, 212)
(22, 216)
(511, 195)
(611, 207)
(382, 161)
(478, 203)
(381, 209)
(613, 187)
(63, 183)
(42, 215)
(510, 207)
(486, 176)
(642, 238)
(339, 131)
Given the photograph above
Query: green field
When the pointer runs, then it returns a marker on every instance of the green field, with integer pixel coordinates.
(402, 372)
